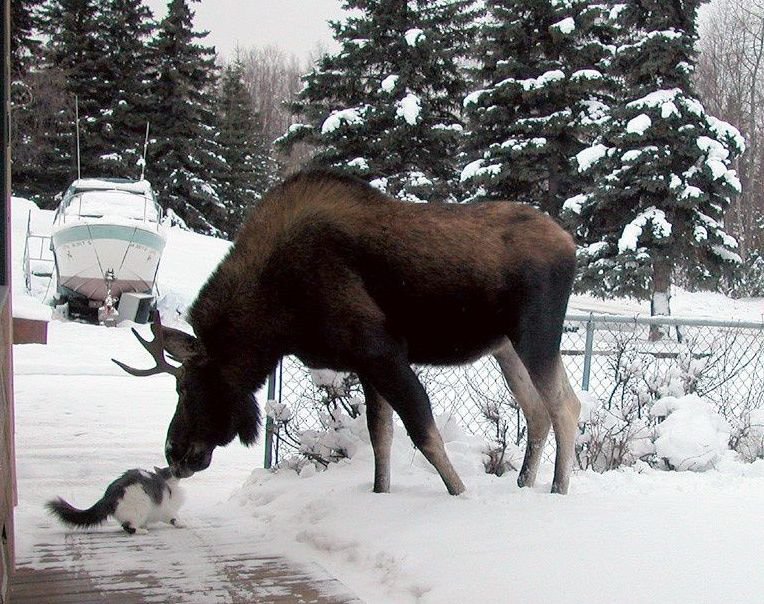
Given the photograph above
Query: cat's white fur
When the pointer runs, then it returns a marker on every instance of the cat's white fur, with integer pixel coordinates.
(138, 510)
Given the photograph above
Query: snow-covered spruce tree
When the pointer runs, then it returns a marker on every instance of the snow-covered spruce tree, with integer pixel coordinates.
(76, 47)
(25, 46)
(184, 158)
(127, 29)
(661, 169)
(387, 105)
(39, 170)
(542, 93)
(249, 170)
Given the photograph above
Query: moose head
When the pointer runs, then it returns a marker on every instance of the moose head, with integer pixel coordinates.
(210, 412)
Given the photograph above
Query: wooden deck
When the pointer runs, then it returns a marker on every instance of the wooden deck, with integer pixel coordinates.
(168, 565)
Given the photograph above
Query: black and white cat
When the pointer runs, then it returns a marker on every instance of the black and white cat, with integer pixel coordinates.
(135, 499)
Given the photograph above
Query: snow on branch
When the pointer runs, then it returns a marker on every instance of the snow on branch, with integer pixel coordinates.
(414, 36)
(566, 26)
(545, 79)
(409, 108)
(477, 169)
(590, 156)
(351, 116)
(661, 228)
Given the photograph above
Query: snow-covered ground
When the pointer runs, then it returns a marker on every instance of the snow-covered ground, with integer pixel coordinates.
(636, 535)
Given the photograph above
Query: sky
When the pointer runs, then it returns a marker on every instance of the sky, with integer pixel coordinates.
(296, 26)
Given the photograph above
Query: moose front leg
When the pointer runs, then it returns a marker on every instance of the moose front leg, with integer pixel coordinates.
(379, 418)
(395, 381)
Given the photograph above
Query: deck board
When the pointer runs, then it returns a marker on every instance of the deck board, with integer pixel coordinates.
(109, 567)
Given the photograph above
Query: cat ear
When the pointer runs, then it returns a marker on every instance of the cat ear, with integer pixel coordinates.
(249, 421)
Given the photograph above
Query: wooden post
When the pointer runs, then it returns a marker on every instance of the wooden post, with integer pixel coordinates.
(7, 454)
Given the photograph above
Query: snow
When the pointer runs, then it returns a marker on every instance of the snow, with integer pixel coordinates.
(473, 98)
(586, 74)
(637, 534)
(414, 36)
(589, 156)
(477, 169)
(566, 26)
(639, 124)
(360, 163)
(353, 115)
(655, 99)
(139, 186)
(631, 233)
(693, 436)
(108, 205)
(529, 84)
(409, 108)
(725, 130)
(575, 203)
(716, 160)
(388, 84)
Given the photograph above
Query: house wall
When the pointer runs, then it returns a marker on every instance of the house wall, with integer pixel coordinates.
(7, 457)
(7, 478)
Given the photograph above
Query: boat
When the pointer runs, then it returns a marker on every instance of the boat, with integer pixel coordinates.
(107, 241)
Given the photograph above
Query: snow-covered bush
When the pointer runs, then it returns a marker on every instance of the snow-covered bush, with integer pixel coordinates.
(692, 436)
(612, 437)
(342, 424)
(501, 454)
(748, 438)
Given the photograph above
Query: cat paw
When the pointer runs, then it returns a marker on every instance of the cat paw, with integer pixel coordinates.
(176, 523)
(141, 531)
(128, 528)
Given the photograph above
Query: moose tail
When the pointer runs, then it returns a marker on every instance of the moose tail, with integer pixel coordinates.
(72, 516)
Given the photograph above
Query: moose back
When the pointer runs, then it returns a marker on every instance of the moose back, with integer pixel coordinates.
(331, 270)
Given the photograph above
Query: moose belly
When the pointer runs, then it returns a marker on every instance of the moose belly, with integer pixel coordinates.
(447, 335)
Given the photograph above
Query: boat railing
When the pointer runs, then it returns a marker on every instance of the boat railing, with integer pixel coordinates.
(65, 209)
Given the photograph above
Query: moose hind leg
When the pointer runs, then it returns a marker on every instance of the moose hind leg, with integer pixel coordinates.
(564, 409)
(397, 383)
(536, 416)
(379, 417)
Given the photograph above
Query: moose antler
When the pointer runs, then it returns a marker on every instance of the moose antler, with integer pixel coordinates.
(156, 349)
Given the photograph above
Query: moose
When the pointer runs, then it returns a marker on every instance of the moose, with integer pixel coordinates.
(345, 277)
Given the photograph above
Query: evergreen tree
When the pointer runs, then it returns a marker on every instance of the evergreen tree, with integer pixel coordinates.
(76, 48)
(661, 168)
(184, 155)
(543, 93)
(249, 171)
(38, 170)
(25, 46)
(128, 27)
(386, 106)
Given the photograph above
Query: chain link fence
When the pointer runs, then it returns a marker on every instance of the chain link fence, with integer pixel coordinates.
(610, 357)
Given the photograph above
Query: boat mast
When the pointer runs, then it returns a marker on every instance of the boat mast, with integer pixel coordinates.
(145, 148)
(77, 128)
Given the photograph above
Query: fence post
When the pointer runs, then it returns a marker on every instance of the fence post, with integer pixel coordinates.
(268, 461)
(588, 353)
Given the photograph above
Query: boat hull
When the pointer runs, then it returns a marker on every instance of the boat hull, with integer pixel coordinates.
(85, 253)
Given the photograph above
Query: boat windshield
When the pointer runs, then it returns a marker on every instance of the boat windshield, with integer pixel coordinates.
(83, 203)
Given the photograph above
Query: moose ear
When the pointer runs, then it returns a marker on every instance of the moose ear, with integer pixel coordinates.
(179, 344)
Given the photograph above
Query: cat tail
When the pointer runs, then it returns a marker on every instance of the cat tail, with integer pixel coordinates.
(72, 516)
